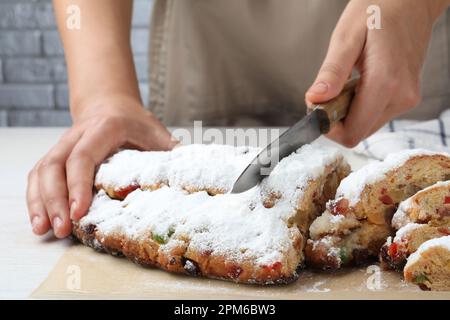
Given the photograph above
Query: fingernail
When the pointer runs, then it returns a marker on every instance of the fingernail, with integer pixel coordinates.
(57, 223)
(35, 222)
(73, 207)
(319, 88)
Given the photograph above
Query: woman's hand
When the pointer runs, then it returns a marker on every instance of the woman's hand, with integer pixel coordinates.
(106, 109)
(389, 61)
(60, 185)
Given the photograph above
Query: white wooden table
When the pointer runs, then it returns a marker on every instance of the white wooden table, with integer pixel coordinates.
(26, 259)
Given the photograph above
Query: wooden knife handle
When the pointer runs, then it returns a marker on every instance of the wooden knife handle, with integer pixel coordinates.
(333, 111)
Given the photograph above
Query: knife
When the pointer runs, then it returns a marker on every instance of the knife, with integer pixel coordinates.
(321, 118)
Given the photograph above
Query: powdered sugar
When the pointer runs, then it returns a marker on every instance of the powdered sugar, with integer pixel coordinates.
(352, 186)
(293, 173)
(403, 232)
(130, 167)
(203, 166)
(401, 217)
(315, 287)
(443, 242)
(237, 226)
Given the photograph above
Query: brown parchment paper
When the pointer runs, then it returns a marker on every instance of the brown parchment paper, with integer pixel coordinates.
(82, 273)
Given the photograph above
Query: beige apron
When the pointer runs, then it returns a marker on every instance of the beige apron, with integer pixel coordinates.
(249, 62)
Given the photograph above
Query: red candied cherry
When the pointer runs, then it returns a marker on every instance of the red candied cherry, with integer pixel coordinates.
(444, 230)
(339, 207)
(123, 192)
(275, 266)
(393, 250)
(447, 200)
(385, 199)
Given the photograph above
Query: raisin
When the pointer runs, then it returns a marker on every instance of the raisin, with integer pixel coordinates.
(89, 229)
(234, 271)
(191, 267)
(385, 257)
(268, 204)
(424, 287)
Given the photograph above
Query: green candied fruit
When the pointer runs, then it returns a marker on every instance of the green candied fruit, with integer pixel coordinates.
(162, 239)
(159, 238)
(170, 232)
(420, 278)
(344, 255)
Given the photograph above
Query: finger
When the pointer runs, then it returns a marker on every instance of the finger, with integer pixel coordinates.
(343, 52)
(368, 106)
(93, 148)
(338, 132)
(52, 184)
(151, 135)
(36, 209)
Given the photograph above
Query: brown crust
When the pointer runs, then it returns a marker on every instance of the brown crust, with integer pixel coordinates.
(145, 252)
(318, 256)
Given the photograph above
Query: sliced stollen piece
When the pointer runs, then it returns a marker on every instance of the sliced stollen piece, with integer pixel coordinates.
(424, 216)
(357, 223)
(430, 205)
(429, 266)
(407, 240)
(254, 237)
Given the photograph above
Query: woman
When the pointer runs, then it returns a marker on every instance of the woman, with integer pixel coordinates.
(234, 62)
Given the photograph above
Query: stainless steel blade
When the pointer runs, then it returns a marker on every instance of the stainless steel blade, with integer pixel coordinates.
(303, 132)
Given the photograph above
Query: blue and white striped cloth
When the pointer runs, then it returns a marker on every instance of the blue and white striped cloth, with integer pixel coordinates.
(407, 134)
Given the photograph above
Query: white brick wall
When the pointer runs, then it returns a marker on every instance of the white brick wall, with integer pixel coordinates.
(33, 89)
(34, 70)
(3, 118)
(26, 96)
(1, 72)
(19, 43)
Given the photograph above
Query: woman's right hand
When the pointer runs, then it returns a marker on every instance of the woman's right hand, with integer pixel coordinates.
(60, 184)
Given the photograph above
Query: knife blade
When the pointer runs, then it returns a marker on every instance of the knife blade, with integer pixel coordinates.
(317, 122)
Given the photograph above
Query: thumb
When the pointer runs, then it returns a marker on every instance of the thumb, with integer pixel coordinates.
(328, 84)
(337, 67)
